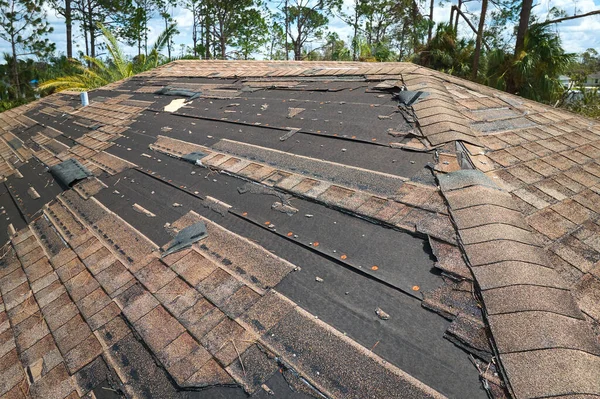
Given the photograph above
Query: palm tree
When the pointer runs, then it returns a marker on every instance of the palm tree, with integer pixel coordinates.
(533, 72)
(100, 73)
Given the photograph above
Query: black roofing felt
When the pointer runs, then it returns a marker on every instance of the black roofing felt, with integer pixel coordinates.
(374, 157)
(9, 214)
(35, 175)
(412, 339)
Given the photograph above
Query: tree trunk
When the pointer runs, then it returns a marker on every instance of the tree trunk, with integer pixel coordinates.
(523, 25)
(430, 31)
(484, 5)
(207, 36)
(355, 37)
(169, 40)
(92, 29)
(85, 38)
(15, 68)
(456, 20)
(222, 38)
(69, 28)
(287, 31)
(195, 29)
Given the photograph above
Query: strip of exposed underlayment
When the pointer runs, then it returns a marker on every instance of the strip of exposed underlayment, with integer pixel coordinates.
(368, 180)
(410, 206)
(545, 346)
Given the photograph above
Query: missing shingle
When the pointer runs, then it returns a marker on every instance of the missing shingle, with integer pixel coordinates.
(215, 205)
(254, 188)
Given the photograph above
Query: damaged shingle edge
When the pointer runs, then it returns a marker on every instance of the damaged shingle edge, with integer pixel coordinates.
(186, 237)
(69, 172)
(194, 157)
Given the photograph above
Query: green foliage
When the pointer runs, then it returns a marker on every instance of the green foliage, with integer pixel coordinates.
(447, 53)
(588, 105)
(307, 20)
(23, 25)
(117, 67)
(252, 34)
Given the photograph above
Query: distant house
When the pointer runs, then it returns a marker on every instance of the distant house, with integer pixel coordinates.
(593, 80)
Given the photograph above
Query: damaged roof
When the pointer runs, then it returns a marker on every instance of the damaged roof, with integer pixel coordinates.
(226, 229)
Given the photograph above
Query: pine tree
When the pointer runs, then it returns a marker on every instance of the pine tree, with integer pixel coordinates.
(23, 24)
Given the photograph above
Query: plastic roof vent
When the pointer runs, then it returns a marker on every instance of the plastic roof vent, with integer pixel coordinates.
(69, 172)
(187, 237)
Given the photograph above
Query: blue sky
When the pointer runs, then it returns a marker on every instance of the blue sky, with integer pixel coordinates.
(577, 35)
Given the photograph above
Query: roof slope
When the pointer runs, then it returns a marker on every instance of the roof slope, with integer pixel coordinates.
(330, 202)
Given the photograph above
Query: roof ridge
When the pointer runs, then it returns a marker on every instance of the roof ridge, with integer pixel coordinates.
(519, 302)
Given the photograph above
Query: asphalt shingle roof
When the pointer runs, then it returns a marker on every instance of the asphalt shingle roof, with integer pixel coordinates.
(335, 216)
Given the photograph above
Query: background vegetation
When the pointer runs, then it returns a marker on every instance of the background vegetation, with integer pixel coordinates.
(508, 48)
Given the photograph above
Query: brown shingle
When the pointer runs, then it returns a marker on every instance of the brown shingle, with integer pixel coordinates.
(550, 223)
(219, 286)
(533, 197)
(504, 250)
(479, 195)
(492, 232)
(114, 277)
(209, 374)
(482, 215)
(136, 302)
(587, 295)
(525, 331)
(155, 275)
(522, 298)
(509, 273)
(158, 328)
(82, 354)
(525, 174)
(542, 373)
(267, 312)
(201, 318)
(194, 268)
(71, 334)
(553, 189)
(559, 161)
(542, 167)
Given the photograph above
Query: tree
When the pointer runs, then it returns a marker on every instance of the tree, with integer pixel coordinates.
(230, 17)
(23, 24)
(64, 9)
(445, 52)
(101, 73)
(307, 20)
(164, 7)
(195, 7)
(133, 20)
(355, 19)
(276, 50)
(252, 34)
(335, 49)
